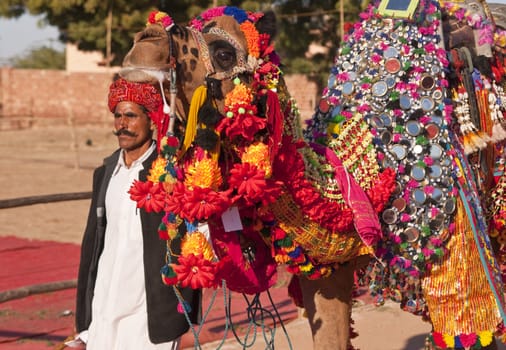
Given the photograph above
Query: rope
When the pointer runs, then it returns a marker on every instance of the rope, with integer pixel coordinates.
(259, 317)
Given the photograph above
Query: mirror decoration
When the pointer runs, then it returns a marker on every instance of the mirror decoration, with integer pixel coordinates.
(400, 92)
(426, 127)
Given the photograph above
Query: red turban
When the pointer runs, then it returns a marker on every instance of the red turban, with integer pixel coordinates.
(143, 94)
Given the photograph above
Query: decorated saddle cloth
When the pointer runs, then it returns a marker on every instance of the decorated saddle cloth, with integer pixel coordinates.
(405, 73)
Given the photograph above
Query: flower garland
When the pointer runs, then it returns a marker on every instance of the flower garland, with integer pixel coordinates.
(190, 187)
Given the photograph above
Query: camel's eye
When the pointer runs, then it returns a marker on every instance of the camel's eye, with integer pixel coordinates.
(223, 54)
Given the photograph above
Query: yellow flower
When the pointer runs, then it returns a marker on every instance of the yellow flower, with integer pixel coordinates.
(306, 268)
(500, 39)
(196, 243)
(281, 259)
(449, 340)
(258, 154)
(157, 169)
(205, 174)
(485, 338)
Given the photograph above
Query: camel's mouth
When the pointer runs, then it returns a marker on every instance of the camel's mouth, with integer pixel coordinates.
(144, 75)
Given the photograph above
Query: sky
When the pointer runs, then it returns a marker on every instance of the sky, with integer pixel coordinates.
(19, 36)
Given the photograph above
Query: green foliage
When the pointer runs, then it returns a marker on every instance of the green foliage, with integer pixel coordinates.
(300, 22)
(303, 22)
(40, 58)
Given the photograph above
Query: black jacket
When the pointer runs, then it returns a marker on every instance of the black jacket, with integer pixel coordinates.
(165, 323)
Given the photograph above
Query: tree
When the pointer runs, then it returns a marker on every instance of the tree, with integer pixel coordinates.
(88, 23)
(305, 24)
(40, 58)
(110, 25)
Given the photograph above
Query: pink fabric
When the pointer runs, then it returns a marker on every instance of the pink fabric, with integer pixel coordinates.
(364, 217)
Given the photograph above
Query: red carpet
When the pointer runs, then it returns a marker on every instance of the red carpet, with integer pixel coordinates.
(41, 321)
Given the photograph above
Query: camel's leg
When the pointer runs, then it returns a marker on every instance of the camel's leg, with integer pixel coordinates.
(328, 306)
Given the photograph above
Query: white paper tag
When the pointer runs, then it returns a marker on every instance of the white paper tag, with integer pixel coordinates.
(231, 220)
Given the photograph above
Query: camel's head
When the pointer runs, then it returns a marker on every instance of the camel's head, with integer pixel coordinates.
(217, 50)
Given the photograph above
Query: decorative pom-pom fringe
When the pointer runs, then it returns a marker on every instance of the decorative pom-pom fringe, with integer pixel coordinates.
(473, 142)
(498, 132)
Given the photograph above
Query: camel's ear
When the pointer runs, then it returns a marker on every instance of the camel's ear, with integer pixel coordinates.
(267, 24)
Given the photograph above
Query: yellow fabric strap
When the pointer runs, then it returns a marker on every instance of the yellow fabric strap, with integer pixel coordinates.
(456, 290)
(198, 99)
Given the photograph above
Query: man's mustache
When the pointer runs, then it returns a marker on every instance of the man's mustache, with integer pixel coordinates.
(123, 132)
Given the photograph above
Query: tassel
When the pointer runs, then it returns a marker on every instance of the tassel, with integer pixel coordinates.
(498, 132)
(198, 99)
(484, 137)
(469, 146)
(474, 142)
(478, 141)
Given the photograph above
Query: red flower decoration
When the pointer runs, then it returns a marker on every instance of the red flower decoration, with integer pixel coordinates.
(272, 192)
(195, 271)
(439, 340)
(201, 203)
(242, 124)
(148, 195)
(248, 181)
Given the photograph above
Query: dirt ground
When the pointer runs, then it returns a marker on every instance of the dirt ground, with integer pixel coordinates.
(43, 161)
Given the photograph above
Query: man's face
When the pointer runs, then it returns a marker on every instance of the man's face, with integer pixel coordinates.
(132, 126)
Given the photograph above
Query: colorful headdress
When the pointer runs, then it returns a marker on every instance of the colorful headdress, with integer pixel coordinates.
(143, 94)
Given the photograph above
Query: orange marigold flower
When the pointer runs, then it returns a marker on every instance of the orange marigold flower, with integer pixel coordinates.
(196, 243)
(240, 95)
(157, 169)
(258, 154)
(252, 38)
(204, 173)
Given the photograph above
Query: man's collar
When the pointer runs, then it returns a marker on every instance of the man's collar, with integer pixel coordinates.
(140, 160)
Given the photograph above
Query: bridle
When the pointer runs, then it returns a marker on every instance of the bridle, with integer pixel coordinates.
(173, 88)
(243, 65)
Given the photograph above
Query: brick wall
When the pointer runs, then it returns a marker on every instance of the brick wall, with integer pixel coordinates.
(305, 93)
(30, 97)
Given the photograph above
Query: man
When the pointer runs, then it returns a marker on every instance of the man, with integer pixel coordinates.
(122, 302)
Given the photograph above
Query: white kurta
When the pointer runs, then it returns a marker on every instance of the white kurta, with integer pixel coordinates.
(119, 316)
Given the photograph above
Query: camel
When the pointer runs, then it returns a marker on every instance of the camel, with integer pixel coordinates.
(255, 190)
